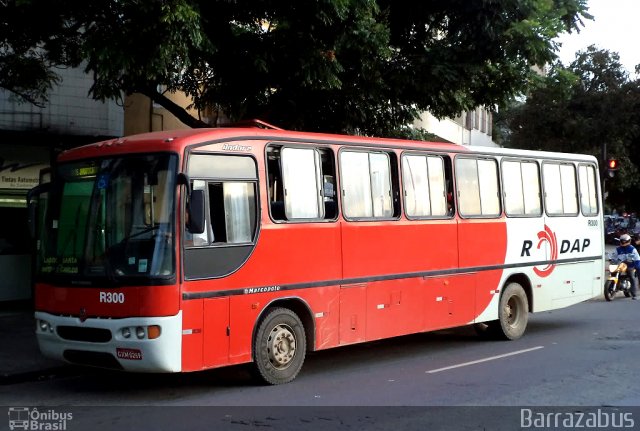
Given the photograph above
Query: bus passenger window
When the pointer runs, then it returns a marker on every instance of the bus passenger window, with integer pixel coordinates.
(477, 181)
(560, 188)
(301, 184)
(366, 185)
(588, 191)
(230, 185)
(232, 209)
(521, 183)
(425, 187)
(231, 215)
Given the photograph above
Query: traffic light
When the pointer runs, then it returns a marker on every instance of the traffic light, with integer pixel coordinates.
(612, 166)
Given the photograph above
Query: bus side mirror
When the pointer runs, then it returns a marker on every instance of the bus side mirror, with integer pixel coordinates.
(32, 211)
(32, 206)
(195, 212)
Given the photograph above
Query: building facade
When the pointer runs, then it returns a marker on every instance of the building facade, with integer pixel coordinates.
(30, 138)
(469, 128)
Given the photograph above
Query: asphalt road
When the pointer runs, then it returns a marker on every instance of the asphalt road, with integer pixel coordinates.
(584, 356)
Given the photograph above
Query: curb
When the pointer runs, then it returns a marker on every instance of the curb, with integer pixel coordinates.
(38, 375)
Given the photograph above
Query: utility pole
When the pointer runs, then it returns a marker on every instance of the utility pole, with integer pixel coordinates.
(603, 173)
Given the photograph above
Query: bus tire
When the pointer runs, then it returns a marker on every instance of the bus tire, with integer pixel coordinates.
(279, 346)
(513, 312)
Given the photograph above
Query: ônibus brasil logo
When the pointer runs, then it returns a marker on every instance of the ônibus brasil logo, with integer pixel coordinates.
(26, 418)
(548, 237)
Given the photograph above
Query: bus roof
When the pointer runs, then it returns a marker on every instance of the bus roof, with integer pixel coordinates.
(179, 140)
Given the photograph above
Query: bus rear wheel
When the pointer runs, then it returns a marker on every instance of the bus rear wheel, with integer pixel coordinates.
(279, 347)
(513, 314)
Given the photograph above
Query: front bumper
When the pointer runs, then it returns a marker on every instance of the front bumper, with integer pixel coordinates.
(100, 342)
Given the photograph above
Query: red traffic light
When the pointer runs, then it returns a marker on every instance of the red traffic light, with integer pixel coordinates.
(612, 164)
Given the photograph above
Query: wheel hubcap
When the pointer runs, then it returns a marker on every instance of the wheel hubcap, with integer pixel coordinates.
(511, 310)
(281, 346)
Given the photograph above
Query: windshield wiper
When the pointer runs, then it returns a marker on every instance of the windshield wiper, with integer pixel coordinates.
(142, 232)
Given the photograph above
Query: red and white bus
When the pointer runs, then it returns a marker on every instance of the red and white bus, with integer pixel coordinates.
(186, 250)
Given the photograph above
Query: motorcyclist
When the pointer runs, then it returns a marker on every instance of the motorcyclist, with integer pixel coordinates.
(626, 252)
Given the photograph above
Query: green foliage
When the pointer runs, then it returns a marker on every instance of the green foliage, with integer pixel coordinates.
(586, 107)
(365, 66)
(35, 37)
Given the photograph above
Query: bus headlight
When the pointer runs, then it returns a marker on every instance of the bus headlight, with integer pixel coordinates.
(45, 326)
(150, 332)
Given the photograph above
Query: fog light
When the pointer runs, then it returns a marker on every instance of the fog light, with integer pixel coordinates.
(140, 332)
(153, 331)
(126, 332)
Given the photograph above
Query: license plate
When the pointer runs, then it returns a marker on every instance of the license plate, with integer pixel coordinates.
(131, 354)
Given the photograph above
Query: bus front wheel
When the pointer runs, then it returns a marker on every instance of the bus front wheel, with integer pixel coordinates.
(279, 347)
(513, 314)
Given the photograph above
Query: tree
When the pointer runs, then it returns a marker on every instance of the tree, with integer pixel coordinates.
(362, 66)
(587, 107)
(35, 38)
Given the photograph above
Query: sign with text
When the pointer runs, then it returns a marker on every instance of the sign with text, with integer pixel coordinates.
(20, 167)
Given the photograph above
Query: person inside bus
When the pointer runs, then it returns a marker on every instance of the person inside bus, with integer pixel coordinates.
(626, 252)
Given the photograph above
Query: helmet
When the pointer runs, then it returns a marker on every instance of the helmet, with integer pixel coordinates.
(625, 239)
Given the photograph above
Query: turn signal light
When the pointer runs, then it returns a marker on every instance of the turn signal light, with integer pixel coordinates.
(153, 332)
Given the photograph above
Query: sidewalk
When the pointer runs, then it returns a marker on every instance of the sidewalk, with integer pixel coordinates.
(20, 358)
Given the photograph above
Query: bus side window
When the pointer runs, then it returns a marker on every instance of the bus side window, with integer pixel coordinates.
(329, 188)
(231, 215)
(427, 182)
(521, 188)
(369, 184)
(560, 191)
(301, 183)
(588, 190)
(199, 239)
(232, 211)
(230, 185)
(478, 188)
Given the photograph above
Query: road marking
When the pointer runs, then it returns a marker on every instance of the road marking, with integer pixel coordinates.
(491, 358)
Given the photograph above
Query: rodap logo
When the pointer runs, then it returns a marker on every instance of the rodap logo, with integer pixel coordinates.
(548, 236)
(547, 240)
(25, 418)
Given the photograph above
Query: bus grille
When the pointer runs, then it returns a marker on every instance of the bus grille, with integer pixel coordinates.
(91, 335)
(92, 359)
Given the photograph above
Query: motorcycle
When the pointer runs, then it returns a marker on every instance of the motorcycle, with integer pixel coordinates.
(618, 281)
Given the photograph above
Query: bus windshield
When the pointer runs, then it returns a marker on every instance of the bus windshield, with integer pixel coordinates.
(109, 219)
